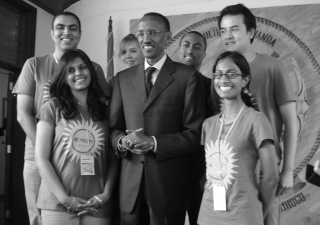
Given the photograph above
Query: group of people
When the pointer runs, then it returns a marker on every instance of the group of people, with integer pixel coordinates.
(153, 143)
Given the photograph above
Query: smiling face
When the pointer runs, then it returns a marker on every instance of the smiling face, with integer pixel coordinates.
(78, 75)
(229, 89)
(192, 50)
(65, 34)
(131, 54)
(153, 47)
(234, 34)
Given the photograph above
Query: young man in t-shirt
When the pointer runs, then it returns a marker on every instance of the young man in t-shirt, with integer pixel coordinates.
(192, 50)
(272, 87)
(32, 88)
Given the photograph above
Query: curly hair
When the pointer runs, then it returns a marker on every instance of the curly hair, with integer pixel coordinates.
(244, 67)
(61, 90)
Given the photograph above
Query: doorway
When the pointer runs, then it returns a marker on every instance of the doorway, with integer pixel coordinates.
(17, 44)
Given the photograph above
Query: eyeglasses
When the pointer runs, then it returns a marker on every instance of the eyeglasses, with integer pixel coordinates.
(230, 75)
(151, 33)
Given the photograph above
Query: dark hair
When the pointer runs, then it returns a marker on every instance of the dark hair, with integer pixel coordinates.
(162, 17)
(244, 67)
(249, 19)
(127, 39)
(197, 33)
(61, 90)
(66, 14)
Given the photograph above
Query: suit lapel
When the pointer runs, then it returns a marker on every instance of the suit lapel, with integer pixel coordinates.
(138, 82)
(163, 80)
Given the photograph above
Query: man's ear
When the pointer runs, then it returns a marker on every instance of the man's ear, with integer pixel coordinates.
(168, 36)
(176, 52)
(251, 33)
(51, 34)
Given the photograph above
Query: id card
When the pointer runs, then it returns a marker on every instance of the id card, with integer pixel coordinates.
(87, 165)
(219, 198)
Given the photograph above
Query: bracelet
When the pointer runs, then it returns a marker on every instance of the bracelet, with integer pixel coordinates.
(99, 200)
(68, 208)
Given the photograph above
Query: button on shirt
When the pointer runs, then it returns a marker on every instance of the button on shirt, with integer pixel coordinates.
(158, 67)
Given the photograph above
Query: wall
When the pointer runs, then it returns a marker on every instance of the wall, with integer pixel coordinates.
(94, 15)
(44, 43)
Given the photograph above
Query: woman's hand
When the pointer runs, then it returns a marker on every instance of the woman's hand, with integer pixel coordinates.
(87, 206)
(73, 205)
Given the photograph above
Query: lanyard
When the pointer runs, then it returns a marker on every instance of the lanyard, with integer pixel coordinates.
(219, 136)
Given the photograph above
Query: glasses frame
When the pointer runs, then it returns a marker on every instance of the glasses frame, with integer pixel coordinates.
(147, 32)
(219, 77)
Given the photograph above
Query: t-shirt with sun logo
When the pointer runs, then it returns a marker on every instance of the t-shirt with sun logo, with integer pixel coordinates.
(35, 80)
(238, 160)
(74, 138)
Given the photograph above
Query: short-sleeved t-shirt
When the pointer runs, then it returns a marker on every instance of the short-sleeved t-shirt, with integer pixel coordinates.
(238, 159)
(74, 138)
(272, 87)
(35, 79)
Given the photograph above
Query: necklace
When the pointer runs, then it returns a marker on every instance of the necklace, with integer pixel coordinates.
(220, 132)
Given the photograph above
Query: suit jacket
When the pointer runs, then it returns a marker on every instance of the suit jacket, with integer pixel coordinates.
(173, 114)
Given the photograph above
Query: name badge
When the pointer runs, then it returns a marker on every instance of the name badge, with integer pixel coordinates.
(219, 199)
(87, 165)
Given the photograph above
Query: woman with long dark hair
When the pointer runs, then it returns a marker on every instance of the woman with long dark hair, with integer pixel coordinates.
(234, 141)
(77, 167)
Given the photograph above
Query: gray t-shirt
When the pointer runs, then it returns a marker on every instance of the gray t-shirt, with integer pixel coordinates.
(74, 138)
(35, 79)
(238, 157)
(272, 87)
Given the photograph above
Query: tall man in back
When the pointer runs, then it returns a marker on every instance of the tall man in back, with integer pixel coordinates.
(155, 119)
(32, 88)
(191, 52)
(272, 88)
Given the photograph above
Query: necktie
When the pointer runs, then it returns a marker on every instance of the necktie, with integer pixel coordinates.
(149, 72)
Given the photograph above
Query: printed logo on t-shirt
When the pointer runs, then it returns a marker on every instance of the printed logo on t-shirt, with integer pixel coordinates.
(220, 166)
(82, 138)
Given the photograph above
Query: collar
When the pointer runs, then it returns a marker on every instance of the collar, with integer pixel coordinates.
(158, 65)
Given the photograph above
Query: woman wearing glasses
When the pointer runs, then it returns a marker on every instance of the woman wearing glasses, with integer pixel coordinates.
(235, 140)
(77, 167)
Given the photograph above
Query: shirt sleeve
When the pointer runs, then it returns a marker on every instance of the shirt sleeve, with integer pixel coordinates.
(47, 112)
(26, 83)
(284, 90)
(261, 130)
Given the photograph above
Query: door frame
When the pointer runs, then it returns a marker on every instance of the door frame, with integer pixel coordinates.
(14, 197)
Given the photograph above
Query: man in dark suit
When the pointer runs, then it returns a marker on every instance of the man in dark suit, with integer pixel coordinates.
(191, 52)
(155, 120)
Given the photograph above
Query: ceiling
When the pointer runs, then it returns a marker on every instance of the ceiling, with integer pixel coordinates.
(53, 6)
